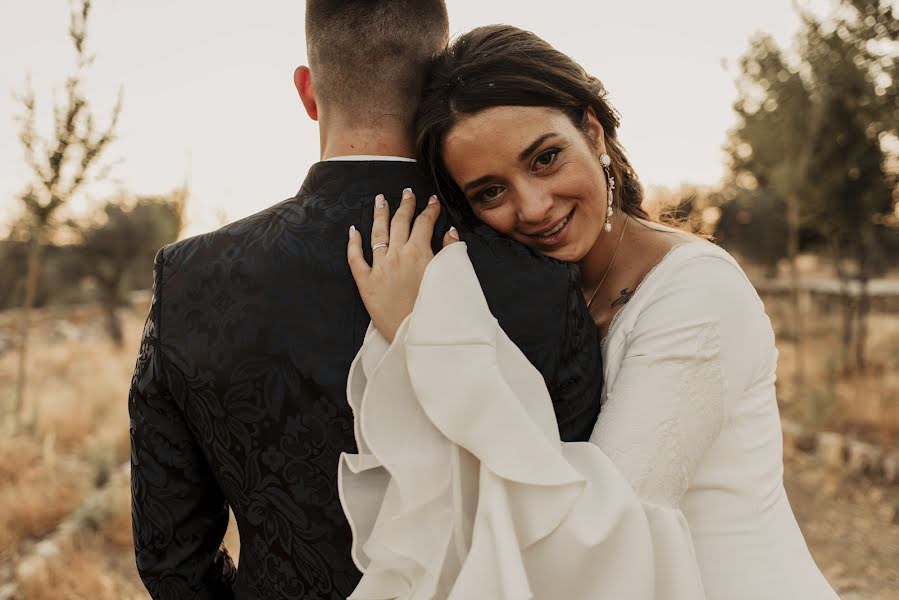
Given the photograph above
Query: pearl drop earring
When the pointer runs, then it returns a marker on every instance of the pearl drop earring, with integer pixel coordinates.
(605, 160)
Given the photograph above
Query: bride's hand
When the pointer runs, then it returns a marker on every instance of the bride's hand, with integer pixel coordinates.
(390, 286)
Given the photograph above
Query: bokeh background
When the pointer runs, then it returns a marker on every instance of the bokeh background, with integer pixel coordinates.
(770, 126)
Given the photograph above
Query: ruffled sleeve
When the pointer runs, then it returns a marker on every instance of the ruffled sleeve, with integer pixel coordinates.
(462, 488)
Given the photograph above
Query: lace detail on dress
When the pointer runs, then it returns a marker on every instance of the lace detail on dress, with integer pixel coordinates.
(658, 425)
(704, 389)
(684, 437)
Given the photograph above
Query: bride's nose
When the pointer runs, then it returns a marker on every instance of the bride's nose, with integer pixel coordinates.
(534, 205)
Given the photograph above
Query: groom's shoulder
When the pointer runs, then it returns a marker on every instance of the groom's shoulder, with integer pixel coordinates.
(235, 242)
(507, 261)
(538, 302)
(528, 290)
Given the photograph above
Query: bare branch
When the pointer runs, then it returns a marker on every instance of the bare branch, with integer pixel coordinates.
(32, 145)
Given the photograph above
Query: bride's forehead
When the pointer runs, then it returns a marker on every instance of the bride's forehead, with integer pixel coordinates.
(506, 120)
(500, 132)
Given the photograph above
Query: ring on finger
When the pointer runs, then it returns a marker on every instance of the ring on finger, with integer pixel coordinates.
(379, 245)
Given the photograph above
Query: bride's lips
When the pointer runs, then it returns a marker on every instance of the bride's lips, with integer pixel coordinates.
(550, 241)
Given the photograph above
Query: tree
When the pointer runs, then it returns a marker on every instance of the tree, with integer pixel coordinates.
(812, 132)
(769, 149)
(61, 164)
(754, 224)
(122, 241)
(850, 189)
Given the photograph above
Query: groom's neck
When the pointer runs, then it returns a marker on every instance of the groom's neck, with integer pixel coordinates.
(386, 138)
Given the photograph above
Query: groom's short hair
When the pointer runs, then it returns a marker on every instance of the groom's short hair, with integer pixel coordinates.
(368, 57)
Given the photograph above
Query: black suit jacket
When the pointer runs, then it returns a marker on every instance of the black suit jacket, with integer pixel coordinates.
(239, 394)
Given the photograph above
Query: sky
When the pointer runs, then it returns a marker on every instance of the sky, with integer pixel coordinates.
(209, 97)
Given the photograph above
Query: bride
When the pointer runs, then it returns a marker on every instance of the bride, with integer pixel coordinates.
(465, 490)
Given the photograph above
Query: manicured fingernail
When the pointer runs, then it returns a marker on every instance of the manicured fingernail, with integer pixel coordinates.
(453, 233)
(432, 200)
(380, 201)
(352, 230)
(407, 192)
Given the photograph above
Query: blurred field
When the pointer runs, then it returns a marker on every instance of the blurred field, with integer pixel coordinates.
(68, 485)
(865, 404)
(65, 529)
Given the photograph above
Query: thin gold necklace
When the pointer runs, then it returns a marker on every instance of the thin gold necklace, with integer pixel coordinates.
(611, 262)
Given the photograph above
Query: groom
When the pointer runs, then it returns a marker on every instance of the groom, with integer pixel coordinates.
(238, 396)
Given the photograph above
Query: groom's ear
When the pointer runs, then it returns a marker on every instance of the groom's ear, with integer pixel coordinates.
(302, 79)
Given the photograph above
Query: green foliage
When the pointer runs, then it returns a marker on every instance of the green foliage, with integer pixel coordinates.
(814, 135)
(774, 109)
(753, 224)
(814, 127)
(113, 253)
(119, 243)
(848, 189)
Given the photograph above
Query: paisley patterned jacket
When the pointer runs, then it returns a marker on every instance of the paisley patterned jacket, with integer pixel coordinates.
(238, 398)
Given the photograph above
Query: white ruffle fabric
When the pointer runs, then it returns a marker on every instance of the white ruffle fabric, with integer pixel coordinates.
(461, 487)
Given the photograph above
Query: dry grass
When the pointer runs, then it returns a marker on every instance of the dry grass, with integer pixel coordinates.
(865, 403)
(84, 574)
(80, 391)
(36, 494)
(78, 578)
(77, 394)
(17, 455)
(115, 532)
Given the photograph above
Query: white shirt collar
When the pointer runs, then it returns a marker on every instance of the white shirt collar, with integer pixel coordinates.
(370, 157)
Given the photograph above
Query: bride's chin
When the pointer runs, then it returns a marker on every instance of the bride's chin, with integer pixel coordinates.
(570, 257)
(568, 253)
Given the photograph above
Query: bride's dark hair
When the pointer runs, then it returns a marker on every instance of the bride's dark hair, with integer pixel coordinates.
(501, 65)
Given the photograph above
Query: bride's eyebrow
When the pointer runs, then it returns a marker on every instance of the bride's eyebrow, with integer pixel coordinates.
(476, 182)
(535, 144)
(522, 156)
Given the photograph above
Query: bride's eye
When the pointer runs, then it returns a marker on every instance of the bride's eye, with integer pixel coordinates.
(489, 193)
(546, 159)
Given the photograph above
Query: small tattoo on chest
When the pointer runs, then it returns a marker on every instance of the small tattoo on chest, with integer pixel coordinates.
(623, 298)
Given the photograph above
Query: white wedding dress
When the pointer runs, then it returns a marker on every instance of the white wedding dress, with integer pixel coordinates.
(462, 489)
